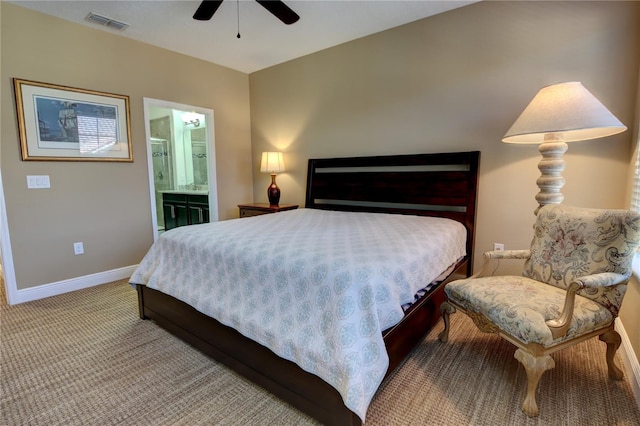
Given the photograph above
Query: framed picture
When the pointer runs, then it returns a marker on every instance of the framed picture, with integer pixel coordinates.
(58, 123)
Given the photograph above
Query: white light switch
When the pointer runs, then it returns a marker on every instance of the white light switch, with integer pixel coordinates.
(38, 181)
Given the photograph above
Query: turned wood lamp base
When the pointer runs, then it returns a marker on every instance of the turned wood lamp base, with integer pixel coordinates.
(551, 166)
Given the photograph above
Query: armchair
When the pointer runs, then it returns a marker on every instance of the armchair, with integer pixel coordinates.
(574, 279)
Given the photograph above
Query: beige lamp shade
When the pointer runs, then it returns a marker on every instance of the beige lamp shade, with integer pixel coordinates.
(560, 113)
(564, 111)
(272, 162)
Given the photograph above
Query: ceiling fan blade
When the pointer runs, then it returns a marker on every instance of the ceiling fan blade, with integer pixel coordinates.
(280, 10)
(206, 9)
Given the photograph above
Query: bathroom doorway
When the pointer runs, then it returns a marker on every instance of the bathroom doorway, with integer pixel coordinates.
(181, 162)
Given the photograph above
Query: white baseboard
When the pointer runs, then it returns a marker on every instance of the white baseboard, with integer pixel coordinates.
(65, 286)
(630, 360)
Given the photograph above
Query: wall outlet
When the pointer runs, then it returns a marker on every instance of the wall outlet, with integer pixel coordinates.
(78, 248)
(498, 246)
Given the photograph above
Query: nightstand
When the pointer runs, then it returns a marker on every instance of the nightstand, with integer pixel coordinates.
(256, 209)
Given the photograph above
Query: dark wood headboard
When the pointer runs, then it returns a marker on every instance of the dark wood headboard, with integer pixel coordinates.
(442, 185)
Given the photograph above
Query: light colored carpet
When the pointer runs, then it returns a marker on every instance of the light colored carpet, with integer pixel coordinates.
(85, 358)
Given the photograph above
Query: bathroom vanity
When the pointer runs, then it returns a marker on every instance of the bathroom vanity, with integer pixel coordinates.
(184, 207)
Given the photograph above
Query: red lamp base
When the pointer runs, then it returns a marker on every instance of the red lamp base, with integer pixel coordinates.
(273, 192)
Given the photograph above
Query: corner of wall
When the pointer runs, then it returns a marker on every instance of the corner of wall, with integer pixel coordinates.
(630, 361)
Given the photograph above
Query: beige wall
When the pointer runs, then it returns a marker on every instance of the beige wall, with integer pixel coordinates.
(456, 82)
(630, 314)
(105, 205)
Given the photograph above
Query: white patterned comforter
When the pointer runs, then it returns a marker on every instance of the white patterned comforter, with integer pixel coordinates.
(316, 287)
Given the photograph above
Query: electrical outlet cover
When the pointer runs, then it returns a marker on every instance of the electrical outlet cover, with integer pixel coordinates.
(78, 248)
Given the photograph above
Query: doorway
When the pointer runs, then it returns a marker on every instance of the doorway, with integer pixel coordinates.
(6, 256)
(181, 162)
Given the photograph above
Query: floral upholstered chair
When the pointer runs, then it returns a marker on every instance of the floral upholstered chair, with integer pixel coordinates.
(575, 276)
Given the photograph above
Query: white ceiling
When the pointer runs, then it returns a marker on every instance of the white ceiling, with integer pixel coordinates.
(265, 41)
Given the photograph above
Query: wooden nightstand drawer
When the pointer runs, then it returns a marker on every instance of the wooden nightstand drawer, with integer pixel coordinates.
(256, 209)
(248, 212)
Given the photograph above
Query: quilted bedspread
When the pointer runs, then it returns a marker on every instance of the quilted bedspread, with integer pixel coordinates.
(316, 287)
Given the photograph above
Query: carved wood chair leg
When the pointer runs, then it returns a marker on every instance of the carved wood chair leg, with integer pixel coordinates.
(446, 308)
(535, 367)
(613, 341)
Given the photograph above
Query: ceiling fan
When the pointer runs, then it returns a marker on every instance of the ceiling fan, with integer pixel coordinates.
(280, 10)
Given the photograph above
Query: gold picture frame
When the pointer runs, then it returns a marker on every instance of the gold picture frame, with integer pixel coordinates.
(61, 123)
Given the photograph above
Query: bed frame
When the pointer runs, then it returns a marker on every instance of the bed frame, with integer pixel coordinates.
(443, 185)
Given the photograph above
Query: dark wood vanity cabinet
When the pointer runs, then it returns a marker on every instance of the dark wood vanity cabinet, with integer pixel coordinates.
(198, 206)
(184, 209)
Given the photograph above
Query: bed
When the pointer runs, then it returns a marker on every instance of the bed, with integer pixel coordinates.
(415, 186)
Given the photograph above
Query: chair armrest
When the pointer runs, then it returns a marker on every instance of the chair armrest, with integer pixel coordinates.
(508, 254)
(560, 325)
(492, 260)
(603, 279)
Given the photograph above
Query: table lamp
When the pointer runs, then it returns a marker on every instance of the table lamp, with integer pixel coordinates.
(272, 162)
(560, 113)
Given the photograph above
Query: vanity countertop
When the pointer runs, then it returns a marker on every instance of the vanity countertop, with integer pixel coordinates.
(185, 191)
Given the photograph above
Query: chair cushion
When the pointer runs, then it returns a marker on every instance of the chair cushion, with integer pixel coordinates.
(519, 306)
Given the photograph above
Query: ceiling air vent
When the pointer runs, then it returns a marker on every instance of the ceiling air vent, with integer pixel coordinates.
(107, 22)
